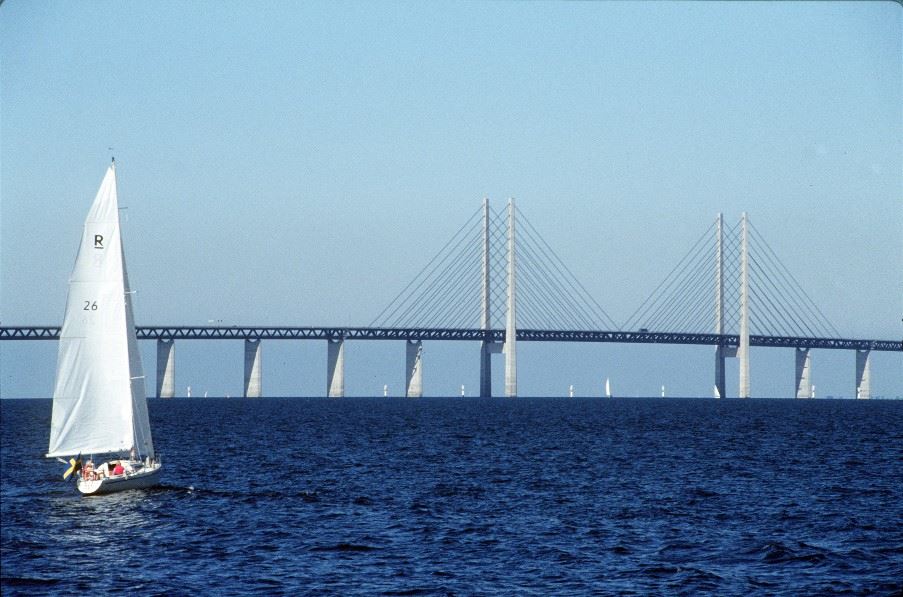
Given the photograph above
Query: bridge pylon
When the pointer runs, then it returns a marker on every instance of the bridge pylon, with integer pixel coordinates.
(510, 349)
(487, 347)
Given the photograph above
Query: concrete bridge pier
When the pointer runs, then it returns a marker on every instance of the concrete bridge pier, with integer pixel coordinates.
(335, 368)
(743, 348)
(510, 348)
(719, 305)
(863, 374)
(414, 369)
(166, 368)
(487, 349)
(803, 373)
(721, 354)
(252, 368)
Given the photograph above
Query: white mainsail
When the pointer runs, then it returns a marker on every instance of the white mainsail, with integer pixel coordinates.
(99, 400)
(607, 387)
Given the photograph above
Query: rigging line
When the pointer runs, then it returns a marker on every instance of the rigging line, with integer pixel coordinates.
(451, 275)
(697, 321)
(679, 318)
(427, 266)
(543, 294)
(787, 315)
(431, 261)
(696, 301)
(547, 280)
(732, 313)
(687, 287)
(564, 265)
(698, 285)
(655, 296)
(580, 309)
(759, 287)
(800, 292)
(585, 308)
(702, 319)
(533, 321)
(449, 306)
(773, 271)
(556, 307)
(570, 300)
(542, 277)
(529, 316)
(764, 317)
(798, 285)
(550, 307)
(458, 317)
(760, 319)
(448, 264)
(425, 299)
(796, 310)
(792, 321)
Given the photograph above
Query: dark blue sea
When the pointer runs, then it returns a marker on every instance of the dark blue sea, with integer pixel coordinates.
(464, 496)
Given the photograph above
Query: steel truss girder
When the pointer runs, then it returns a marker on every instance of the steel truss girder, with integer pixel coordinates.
(527, 335)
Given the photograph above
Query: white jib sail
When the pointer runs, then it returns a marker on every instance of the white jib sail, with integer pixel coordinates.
(99, 403)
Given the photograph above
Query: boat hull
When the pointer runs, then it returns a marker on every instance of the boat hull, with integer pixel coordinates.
(142, 479)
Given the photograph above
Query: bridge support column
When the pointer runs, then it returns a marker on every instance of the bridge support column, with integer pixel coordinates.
(335, 368)
(485, 369)
(510, 317)
(486, 347)
(414, 369)
(803, 373)
(719, 305)
(719, 373)
(743, 348)
(863, 374)
(252, 369)
(166, 368)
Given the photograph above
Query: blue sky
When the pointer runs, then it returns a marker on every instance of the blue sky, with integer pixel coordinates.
(297, 164)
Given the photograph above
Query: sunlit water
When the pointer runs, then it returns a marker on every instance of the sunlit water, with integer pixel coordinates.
(471, 496)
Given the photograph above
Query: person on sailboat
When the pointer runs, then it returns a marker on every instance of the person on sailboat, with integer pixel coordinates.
(118, 469)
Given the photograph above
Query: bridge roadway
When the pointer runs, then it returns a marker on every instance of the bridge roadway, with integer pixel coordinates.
(495, 335)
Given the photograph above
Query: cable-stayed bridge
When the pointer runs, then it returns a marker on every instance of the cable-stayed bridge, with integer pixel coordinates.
(498, 282)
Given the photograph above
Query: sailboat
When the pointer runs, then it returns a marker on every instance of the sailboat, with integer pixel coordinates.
(99, 399)
(608, 387)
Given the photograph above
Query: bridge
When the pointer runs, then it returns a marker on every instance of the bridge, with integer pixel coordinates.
(730, 291)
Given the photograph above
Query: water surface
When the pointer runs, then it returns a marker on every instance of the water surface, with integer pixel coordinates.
(472, 496)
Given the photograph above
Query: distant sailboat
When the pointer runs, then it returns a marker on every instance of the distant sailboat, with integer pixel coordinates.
(607, 387)
(571, 391)
(99, 399)
(663, 391)
(189, 391)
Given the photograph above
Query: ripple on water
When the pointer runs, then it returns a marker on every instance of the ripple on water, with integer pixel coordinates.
(363, 496)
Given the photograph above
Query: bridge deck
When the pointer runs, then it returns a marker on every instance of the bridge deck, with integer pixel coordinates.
(495, 335)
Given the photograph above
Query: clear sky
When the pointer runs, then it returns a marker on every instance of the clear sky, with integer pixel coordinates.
(298, 163)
